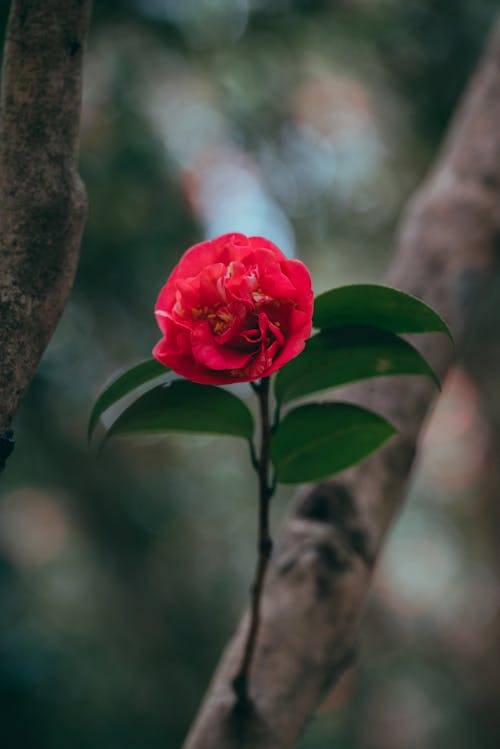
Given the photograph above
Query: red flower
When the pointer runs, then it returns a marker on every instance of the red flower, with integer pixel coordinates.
(234, 309)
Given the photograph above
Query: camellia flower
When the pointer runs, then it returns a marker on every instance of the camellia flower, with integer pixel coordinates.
(234, 309)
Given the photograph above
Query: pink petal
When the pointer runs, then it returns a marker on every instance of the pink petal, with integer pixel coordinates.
(207, 352)
(260, 243)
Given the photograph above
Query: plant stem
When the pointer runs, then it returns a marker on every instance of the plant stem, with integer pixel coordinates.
(265, 544)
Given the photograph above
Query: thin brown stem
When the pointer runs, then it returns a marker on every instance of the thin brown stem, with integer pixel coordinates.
(265, 545)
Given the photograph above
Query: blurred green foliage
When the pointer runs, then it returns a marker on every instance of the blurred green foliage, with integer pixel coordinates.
(121, 576)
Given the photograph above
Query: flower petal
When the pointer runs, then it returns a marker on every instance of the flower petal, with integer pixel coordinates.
(214, 356)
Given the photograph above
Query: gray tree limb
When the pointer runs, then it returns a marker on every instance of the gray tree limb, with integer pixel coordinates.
(42, 199)
(323, 564)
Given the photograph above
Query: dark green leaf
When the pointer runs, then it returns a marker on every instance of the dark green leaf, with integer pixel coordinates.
(347, 354)
(319, 439)
(378, 306)
(122, 385)
(184, 406)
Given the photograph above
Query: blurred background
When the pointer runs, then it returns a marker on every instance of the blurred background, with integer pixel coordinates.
(122, 575)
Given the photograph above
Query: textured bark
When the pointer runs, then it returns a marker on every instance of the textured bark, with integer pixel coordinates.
(321, 571)
(42, 199)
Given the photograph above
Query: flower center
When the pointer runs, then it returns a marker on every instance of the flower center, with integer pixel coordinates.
(220, 319)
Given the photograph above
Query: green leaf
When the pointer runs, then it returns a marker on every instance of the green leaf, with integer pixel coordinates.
(319, 439)
(122, 385)
(378, 306)
(184, 406)
(347, 354)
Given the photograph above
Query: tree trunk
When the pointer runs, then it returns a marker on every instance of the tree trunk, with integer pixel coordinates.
(42, 199)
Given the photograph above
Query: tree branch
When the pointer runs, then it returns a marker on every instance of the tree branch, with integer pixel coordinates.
(42, 199)
(319, 577)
